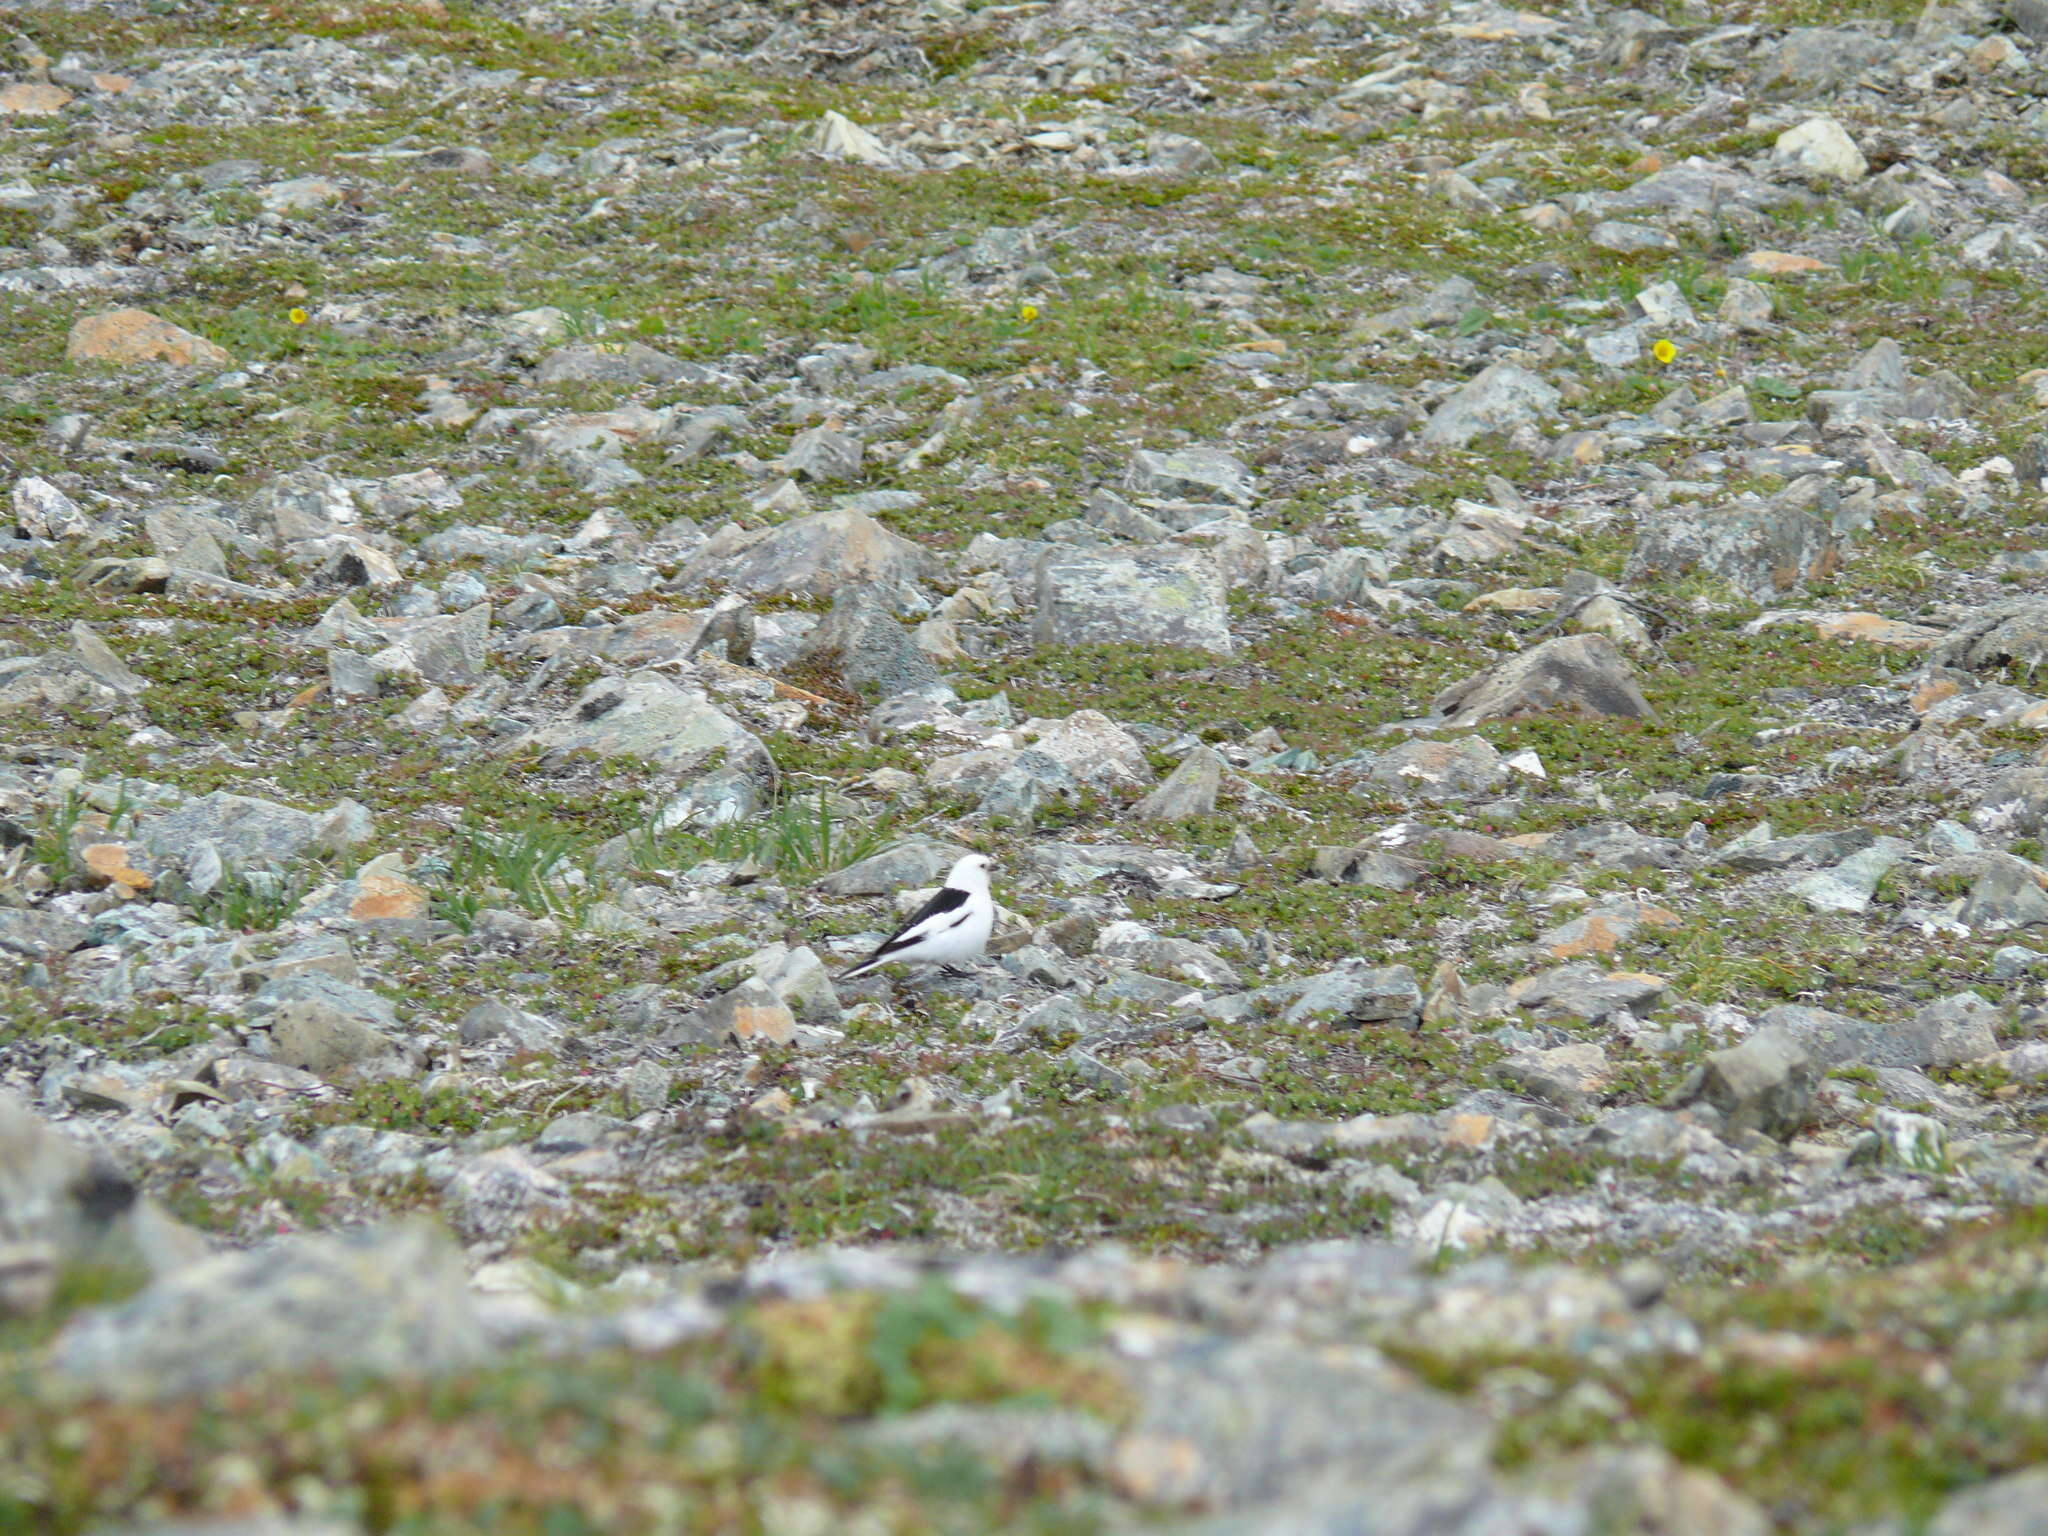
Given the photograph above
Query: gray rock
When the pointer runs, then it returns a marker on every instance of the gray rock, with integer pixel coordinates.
(1192, 473)
(1619, 348)
(1143, 596)
(321, 984)
(647, 1085)
(1440, 770)
(1820, 147)
(1625, 1488)
(1175, 154)
(65, 1209)
(1031, 781)
(1961, 1027)
(1354, 995)
(390, 1301)
(810, 557)
(1746, 306)
(249, 834)
(36, 935)
(1815, 59)
(644, 715)
(2005, 1506)
(861, 640)
(1700, 186)
(798, 976)
(2012, 633)
(1764, 1084)
(1577, 674)
(1503, 397)
(1240, 1423)
(836, 366)
(1583, 991)
(1366, 866)
(2013, 805)
(823, 454)
(578, 1131)
(1564, 1076)
(500, 1021)
(1836, 1040)
(493, 546)
(1445, 304)
(751, 1014)
(2009, 962)
(255, 1525)
(1098, 751)
(450, 648)
(1190, 790)
(1041, 967)
(633, 363)
(1761, 549)
(1756, 850)
(2030, 18)
(297, 505)
(317, 1037)
(1627, 239)
(1288, 1138)
(914, 863)
(41, 511)
(1849, 886)
(85, 673)
(502, 1193)
(1194, 963)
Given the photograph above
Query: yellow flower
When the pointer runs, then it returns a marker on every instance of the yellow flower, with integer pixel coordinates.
(297, 316)
(1665, 352)
(1027, 312)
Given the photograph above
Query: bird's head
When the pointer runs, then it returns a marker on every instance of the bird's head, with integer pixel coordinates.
(971, 873)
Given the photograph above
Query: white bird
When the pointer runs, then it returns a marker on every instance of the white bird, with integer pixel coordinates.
(953, 926)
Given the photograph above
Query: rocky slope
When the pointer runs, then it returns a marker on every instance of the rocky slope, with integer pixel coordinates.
(1477, 571)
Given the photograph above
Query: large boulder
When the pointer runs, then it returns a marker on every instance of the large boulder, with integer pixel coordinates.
(246, 832)
(1233, 1425)
(1944, 1033)
(1759, 548)
(64, 1209)
(643, 715)
(2013, 633)
(137, 336)
(1500, 399)
(2005, 1506)
(1199, 474)
(87, 672)
(390, 1301)
(863, 642)
(1145, 595)
(1576, 674)
(914, 862)
(809, 557)
(1764, 1084)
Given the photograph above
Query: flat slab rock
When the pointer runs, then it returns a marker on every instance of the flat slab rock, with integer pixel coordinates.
(389, 1301)
(642, 715)
(1146, 595)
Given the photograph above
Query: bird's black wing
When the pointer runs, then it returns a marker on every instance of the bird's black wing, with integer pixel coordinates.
(946, 899)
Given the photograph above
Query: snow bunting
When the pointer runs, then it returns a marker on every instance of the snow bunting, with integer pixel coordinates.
(953, 926)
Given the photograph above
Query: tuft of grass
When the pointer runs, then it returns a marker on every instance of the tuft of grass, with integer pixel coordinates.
(54, 846)
(531, 861)
(253, 901)
(801, 838)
